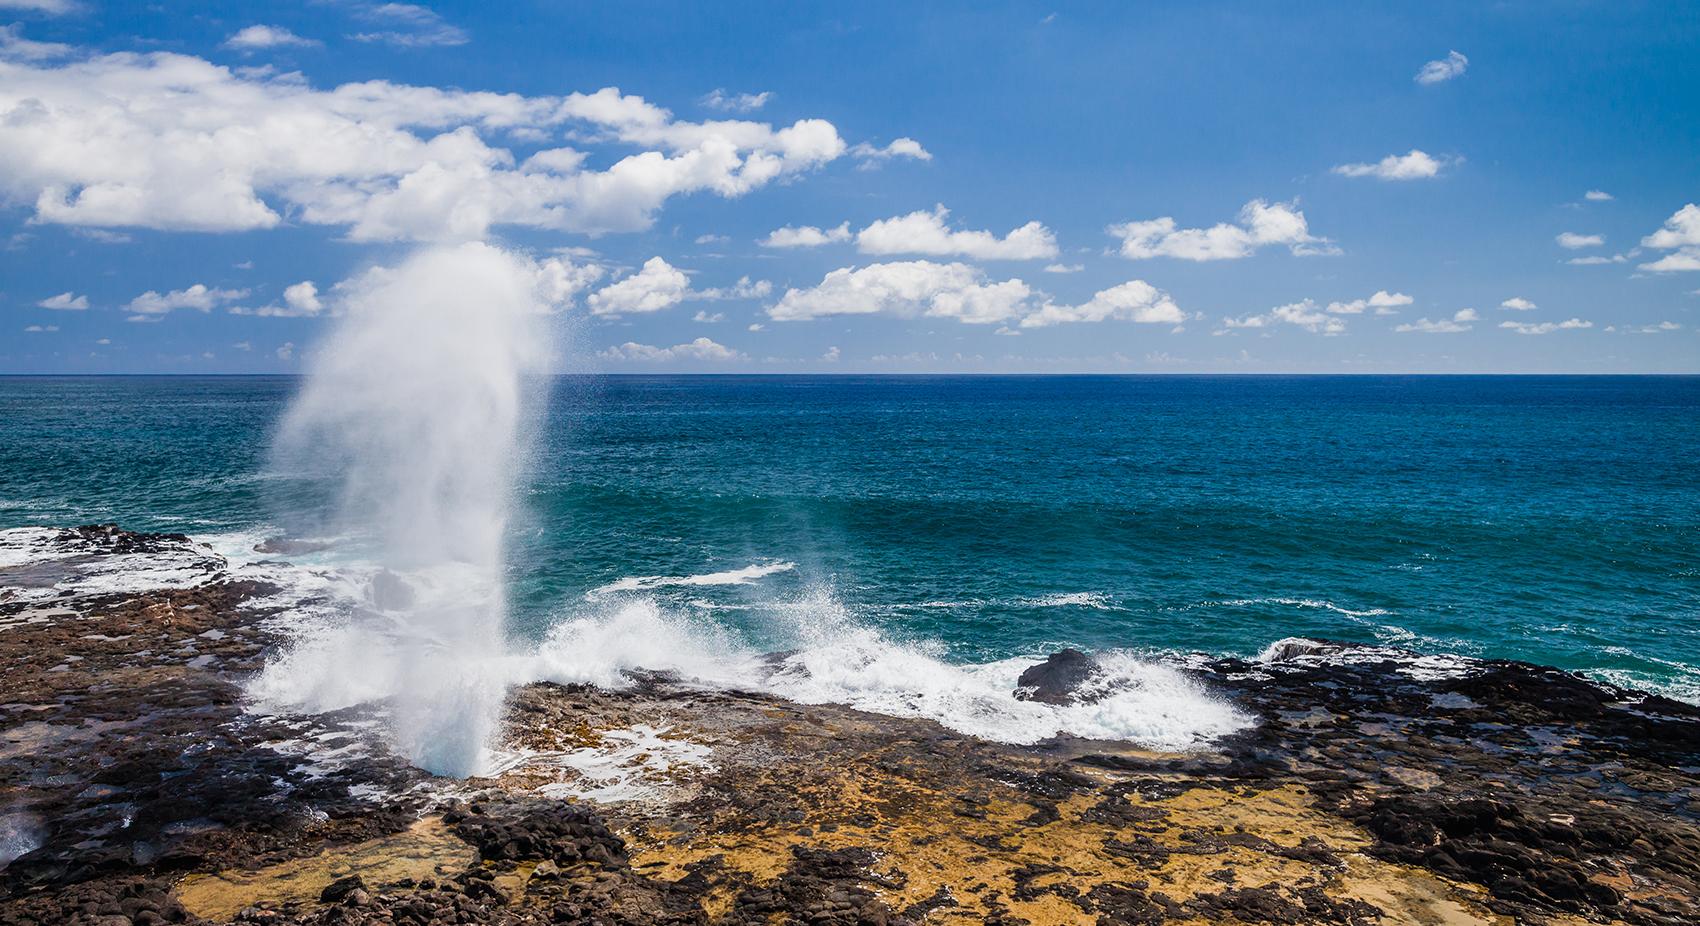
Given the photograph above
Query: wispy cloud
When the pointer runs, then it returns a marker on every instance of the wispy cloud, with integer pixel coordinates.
(408, 25)
(719, 99)
(1444, 69)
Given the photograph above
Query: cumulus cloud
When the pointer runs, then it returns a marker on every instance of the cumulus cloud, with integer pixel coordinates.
(1442, 69)
(1517, 304)
(286, 351)
(924, 232)
(1134, 301)
(200, 297)
(1596, 259)
(701, 349)
(872, 156)
(711, 238)
(1574, 241)
(407, 25)
(920, 288)
(39, 329)
(1064, 268)
(65, 302)
(1383, 302)
(657, 285)
(806, 236)
(256, 37)
(1416, 165)
(1304, 314)
(1259, 224)
(299, 300)
(168, 141)
(906, 288)
(736, 102)
(1460, 321)
(1597, 196)
(1681, 236)
(1546, 327)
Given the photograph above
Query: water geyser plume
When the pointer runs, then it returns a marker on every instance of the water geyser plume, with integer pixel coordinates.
(416, 405)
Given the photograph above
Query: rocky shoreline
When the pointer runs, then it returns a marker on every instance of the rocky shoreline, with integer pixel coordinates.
(1376, 787)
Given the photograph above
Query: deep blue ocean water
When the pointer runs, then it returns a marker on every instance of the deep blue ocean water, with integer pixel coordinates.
(1550, 518)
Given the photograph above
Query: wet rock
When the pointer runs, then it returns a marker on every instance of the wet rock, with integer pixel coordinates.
(1058, 678)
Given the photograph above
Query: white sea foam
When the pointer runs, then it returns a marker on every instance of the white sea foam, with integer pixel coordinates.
(827, 656)
(745, 576)
(639, 763)
(1095, 600)
(1312, 603)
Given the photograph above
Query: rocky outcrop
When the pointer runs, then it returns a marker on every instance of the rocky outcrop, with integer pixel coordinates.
(1377, 786)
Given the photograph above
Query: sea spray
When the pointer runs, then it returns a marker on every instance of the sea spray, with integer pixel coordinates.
(415, 408)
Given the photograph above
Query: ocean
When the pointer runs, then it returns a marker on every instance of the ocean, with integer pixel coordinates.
(915, 533)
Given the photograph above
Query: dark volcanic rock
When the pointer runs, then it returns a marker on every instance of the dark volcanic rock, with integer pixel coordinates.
(1058, 678)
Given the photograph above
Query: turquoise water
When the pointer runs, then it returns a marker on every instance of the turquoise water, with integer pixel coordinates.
(1554, 519)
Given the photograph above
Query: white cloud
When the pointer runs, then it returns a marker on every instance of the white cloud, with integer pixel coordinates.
(300, 300)
(199, 297)
(736, 102)
(1064, 268)
(14, 47)
(1383, 302)
(708, 318)
(745, 288)
(168, 141)
(1575, 241)
(40, 329)
(907, 289)
(920, 288)
(1660, 328)
(1134, 301)
(1259, 224)
(1597, 196)
(831, 355)
(1546, 327)
(1595, 259)
(1304, 314)
(256, 37)
(924, 232)
(658, 285)
(806, 236)
(1442, 69)
(1517, 304)
(1460, 321)
(712, 239)
(104, 341)
(1417, 165)
(47, 7)
(1681, 236)
(102, 235)
(701, 349)
(872, 156)
(66, 302)
(408, 25)
(243, 345)
(286, 351)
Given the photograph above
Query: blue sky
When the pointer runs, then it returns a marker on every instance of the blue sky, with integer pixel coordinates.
(1236, 187)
